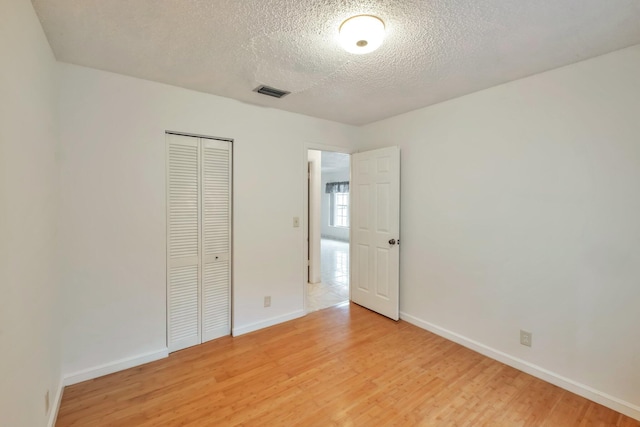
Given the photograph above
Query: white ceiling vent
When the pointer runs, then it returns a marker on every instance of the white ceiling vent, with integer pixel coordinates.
(271, 91)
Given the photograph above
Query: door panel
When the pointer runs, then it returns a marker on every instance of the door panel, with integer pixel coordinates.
(198, 240)
(183, 241)
(216, 235)
(376, 222)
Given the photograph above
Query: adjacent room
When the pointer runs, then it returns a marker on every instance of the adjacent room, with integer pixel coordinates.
(472, 230)
(329, 231)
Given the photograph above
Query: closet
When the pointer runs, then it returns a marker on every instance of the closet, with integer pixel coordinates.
(198, 239)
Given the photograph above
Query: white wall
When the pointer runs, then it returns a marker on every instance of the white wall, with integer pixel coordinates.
(113, 208)
(329, 231)
(29, 326)
(521, 210)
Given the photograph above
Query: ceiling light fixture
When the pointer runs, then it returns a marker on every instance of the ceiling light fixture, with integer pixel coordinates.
(361, 34)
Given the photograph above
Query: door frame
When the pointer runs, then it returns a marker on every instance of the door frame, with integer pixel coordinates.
(305, 210)
(232, 172)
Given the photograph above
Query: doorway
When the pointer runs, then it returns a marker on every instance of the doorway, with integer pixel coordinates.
(328, 229)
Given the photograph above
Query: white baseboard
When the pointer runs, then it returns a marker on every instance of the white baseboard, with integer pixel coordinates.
(55, 405)
(583, 390)
(118, 365)
(266, 323)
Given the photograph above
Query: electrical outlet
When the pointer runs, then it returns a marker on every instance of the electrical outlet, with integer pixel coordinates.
(525, 338)
(296, 222)
(267, 301)
(46, 402)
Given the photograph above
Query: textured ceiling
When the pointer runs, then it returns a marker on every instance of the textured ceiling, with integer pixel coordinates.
(334, 162)
(434, 49)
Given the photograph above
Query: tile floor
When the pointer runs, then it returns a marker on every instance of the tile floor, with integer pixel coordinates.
(334, 287)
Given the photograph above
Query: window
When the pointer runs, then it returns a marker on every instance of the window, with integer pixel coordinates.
(338, 203)
(340, 209)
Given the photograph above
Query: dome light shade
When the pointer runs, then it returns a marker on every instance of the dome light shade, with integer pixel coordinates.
(361, 34)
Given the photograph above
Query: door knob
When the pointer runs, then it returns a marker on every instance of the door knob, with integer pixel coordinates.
(392, 241)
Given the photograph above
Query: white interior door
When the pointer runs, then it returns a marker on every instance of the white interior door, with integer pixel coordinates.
(315, 216)
(375, 230)
(183, 242)
(198, 240)
(216, 239)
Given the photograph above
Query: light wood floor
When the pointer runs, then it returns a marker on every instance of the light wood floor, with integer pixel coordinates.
(341, 366)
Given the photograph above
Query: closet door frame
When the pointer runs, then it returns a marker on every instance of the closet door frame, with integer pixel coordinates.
(200, 141)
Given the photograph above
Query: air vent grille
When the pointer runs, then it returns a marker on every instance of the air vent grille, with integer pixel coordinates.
(271, 91)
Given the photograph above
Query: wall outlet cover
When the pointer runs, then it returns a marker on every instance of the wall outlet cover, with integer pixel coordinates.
(525, 338)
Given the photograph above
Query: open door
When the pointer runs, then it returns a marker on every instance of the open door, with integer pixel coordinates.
(375, 230)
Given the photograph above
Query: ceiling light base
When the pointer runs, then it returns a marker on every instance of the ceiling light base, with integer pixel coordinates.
(361, 34)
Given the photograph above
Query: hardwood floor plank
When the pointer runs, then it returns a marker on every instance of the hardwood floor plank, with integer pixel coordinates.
(343, 366)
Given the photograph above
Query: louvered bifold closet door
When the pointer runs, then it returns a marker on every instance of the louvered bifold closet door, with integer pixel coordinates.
(216, 239)
(183, 241)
